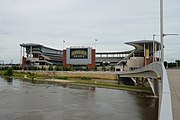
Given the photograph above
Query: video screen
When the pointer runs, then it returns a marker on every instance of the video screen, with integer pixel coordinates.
(79, 53)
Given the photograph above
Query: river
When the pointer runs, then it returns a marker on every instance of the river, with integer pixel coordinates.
(22, 100)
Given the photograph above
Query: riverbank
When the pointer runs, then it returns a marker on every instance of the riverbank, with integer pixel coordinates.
(92, 79)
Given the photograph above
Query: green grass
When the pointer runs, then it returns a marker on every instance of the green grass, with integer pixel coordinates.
(62, 77)
(85, 81)
(85, 78)
(111, 85)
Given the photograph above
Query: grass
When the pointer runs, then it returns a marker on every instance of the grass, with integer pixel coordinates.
(111, 85)
(82, 80)
(85, 78)
(62, 77)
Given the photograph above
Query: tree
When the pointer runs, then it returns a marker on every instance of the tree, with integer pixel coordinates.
(177, 63)
(50, 68)
(104, 68)
(165, 64)
(57, 68)
(9, 72)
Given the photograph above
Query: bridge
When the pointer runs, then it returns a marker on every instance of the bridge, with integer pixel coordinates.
(158, 80)
(174, 82)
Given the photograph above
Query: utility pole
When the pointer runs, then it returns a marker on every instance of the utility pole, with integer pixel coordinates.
(161, 31)
(154, 47)
(162, 35)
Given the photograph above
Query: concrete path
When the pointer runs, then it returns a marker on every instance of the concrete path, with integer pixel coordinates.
(174, 81)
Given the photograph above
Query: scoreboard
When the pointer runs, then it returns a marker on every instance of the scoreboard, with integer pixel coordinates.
(79, 53)
(79, 56)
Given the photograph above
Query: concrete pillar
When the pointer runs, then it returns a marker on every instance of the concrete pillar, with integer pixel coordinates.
(20, 55)
(154, 83)
(144, 54)
(23, 51)
(156, 86)
(31, 52)
(155, 45)
(159, 51)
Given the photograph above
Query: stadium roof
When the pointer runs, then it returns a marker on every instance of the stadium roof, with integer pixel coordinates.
(37, 45)
(139, 44)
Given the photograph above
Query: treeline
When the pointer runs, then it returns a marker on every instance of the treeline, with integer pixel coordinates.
(175, 64)
(43, 68)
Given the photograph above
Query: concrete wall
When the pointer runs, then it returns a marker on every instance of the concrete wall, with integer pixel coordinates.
(135, 62)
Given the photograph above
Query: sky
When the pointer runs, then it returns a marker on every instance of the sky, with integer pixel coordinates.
(80, 22)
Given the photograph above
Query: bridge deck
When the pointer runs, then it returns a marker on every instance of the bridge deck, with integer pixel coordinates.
(174, 81)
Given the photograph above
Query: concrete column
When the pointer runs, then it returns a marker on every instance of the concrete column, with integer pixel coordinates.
(155, 52)
(23, 51)
(156, 86)
(20, 55)
(144, 54)
(159, 52)
(30, 51)
(154, 83)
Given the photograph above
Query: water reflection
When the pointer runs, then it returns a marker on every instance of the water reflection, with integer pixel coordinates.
(9, 79)
(28, 101)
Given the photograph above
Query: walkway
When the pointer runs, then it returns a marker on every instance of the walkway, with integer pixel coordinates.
(174, 81)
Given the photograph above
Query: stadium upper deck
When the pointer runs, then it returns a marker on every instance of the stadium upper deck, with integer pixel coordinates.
(36, 54)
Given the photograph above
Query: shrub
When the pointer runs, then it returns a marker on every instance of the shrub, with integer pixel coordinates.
(57, 68)
(50, 68)
(85, 78)
(9, 72)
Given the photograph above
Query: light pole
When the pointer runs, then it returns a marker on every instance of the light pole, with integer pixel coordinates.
(153, 47)
(162, 35)
(63, 43)
(162, 48)
(161, 31)
(95, 43)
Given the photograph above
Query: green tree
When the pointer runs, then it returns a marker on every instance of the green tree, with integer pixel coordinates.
(104, 68)
(57, 68)
(50, 68)
(9, 72)
(177, 63)
(165, 64)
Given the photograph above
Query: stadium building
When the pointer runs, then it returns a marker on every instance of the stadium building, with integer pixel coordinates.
(36, 54)
(81, 58)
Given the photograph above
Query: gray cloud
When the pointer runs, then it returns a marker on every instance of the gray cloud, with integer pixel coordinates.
(79, 22)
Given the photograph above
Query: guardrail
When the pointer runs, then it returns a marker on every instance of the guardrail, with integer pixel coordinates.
(165, 103)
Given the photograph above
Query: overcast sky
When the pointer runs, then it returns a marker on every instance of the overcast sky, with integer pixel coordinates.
(80, 22)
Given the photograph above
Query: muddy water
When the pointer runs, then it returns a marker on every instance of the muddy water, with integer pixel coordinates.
(20, 100)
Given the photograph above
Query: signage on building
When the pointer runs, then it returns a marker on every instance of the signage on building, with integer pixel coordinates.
(79, 53)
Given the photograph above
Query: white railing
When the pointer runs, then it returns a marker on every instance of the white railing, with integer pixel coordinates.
(165, 112)
(165, 103)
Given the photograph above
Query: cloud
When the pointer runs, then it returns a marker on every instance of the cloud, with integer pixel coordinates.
(79, 22)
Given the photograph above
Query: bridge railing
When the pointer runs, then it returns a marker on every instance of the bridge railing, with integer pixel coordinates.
(165, 112)
(165, 103)
(165, 106)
